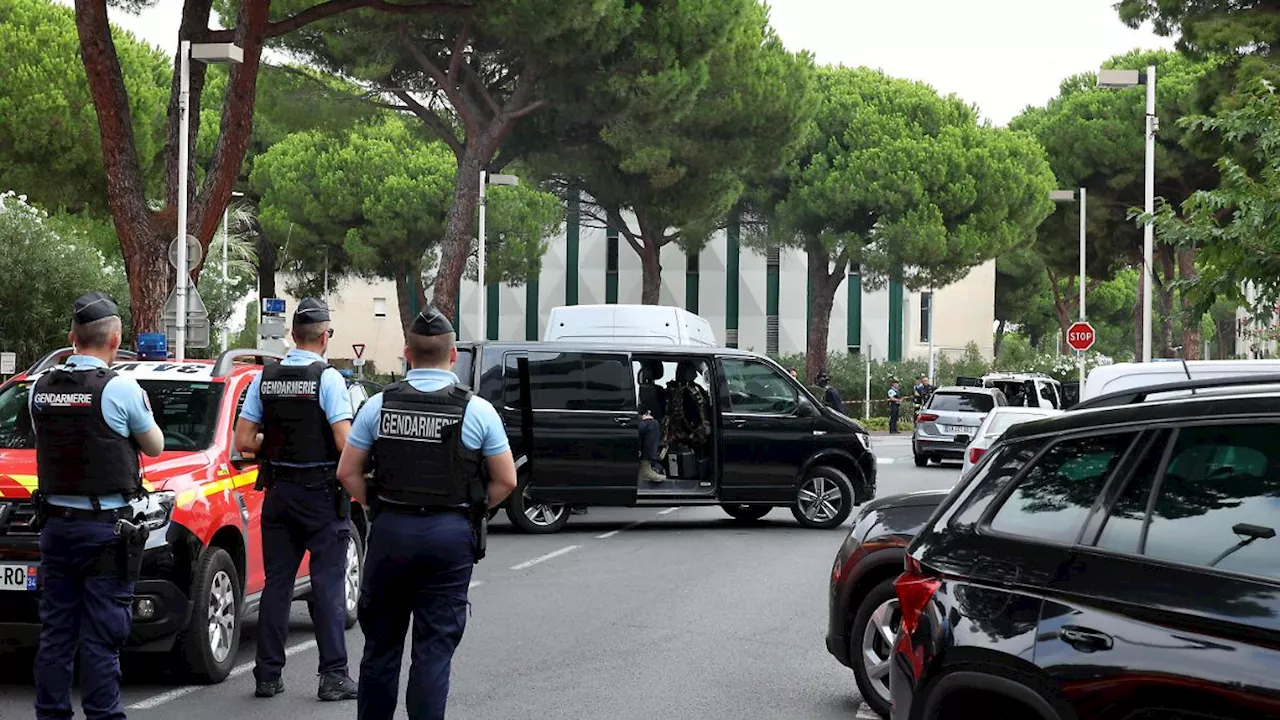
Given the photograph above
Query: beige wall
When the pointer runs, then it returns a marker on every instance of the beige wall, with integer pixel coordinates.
(351, 309)
(964, 313)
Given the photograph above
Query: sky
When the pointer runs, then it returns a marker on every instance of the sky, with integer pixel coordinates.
(1001, 55)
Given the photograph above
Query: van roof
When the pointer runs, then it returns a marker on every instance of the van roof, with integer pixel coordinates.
(581, 346)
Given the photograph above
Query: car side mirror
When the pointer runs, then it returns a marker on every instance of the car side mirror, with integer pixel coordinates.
(806, 408)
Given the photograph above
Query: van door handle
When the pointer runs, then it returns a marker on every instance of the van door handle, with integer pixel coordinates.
(737, 422)
(622, 420)
(1085, 639)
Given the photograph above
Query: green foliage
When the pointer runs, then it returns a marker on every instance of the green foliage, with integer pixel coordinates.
(891, 173)
(1236, 225)
(45, 264)
(51, 144)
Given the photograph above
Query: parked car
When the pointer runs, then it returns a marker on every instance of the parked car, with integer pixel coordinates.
(1118, 561)
(202, 570)
(753, 438)
(1022, 389)
(863, 616)
(993, 426)
(948, 418)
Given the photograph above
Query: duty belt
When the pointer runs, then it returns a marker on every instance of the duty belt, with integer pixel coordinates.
(403, 509)
(71, 513)
(302, 475)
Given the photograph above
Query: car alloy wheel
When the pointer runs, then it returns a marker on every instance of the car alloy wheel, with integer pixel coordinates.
(352, 575)
(820, 499)
(222, 616)
(877, 645)
(545, 514)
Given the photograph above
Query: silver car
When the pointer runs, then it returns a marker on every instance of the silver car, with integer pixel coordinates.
(950, 412)
(997, 421)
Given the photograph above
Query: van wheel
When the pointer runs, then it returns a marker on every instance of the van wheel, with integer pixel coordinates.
(921, 461)
(824, 498)
(209, 642)
(536, 518)
(746, 513)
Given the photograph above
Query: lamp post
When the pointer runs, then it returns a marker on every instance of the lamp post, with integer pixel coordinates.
(1133, 78)
(485, 180)
(1070, 196)
(208, 53)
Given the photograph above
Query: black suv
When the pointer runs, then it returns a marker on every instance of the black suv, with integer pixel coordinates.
(1117, 562)
(760, 439)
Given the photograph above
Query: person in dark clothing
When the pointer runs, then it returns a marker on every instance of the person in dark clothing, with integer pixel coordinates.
(895, 406)
(652, 411)
(830, 395)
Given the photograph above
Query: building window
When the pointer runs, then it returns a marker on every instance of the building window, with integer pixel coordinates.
(611, 252)
(926, 315)
(379, 307)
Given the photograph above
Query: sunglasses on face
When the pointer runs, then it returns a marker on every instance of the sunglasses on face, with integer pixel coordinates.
(329, 332)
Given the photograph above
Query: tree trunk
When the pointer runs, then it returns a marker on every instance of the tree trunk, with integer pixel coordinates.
(267, 263)
(408, 289)
(458, 236)
(1191, 339)
(824, 282)
(999, 342)
(1226, 334)
(1063, 309)
(649, 244)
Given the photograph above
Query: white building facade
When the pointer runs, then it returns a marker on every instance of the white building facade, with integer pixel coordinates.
(753, 301)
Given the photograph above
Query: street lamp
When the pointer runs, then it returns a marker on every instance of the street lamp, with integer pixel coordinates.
(1070, 196)
(1112, 79)
(226, 331)
(486, 179)
(207, 53)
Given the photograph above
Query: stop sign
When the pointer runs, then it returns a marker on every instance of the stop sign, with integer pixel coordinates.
(1080, 336)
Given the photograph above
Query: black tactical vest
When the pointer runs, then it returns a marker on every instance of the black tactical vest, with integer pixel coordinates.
(295, 428)
(419, 455)
(77, 452)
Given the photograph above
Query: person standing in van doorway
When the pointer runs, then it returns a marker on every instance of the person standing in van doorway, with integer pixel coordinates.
(432, 443)
(304, 412)
(895, 406)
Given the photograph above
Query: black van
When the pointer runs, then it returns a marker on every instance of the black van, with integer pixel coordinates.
(571, 411)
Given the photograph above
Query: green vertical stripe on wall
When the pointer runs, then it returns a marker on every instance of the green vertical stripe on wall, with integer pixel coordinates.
(691, 291)
(611, 267)
(895, 314)
(731, 280)
(531, 310)
(611, 287)
(414, 306)
(491, 311)
(771, 290)
(853, 319)
(572, 233)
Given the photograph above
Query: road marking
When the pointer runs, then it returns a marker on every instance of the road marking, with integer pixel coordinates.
(884, 461)
(611, 533)
(174, 694)
(668, 511)
(544, 558)
(475, 584)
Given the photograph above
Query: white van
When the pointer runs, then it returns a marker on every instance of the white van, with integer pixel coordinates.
(1021, 389)
(1125, 376)
(629, 325)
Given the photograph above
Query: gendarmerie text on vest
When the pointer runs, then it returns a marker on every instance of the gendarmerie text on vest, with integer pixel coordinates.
(416, 426)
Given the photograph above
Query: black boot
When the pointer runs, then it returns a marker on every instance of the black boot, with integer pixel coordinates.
(269, 688)
(337, 686)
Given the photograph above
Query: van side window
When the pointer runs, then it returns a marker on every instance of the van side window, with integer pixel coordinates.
(758, 389)
(572, 381)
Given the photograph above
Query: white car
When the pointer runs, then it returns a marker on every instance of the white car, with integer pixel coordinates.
(993, 426)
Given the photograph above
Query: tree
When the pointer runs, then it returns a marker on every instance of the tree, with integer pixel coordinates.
(680, 174)
(1023, 296)
(51, 146)
(900, 181)
(374, 202)
(45, 264)
(145, 232)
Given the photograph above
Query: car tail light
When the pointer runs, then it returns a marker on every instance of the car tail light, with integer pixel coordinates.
(926, 417)
(915, 590)
(975, 454)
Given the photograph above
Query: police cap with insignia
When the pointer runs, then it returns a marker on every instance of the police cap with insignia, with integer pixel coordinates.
(310, 311)
(94, 306)
(430, 323)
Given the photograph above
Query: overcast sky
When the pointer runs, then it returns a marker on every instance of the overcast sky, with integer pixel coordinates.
(1001, 55)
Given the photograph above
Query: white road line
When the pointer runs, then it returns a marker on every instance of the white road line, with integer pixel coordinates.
(544, 558)
(884, 461)
(475, 584)
(668, 511)
(608, 535)
(174, 694)
(611, 533)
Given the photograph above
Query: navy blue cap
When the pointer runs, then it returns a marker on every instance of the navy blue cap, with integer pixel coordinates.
(431, 322)
(310, 311)
(94, 306)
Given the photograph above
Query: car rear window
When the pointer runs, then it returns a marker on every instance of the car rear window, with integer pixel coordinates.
(962, 402)
(186, 412)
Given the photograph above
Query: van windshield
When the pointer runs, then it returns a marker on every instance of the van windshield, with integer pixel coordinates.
(187, 413)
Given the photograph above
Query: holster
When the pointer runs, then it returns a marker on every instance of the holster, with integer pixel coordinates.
(341, 501)
(479, 515)
(41, 511)
(266, 477)
(123, 558)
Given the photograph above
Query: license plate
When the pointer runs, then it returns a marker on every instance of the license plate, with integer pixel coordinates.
(958, 429)
(21, 578)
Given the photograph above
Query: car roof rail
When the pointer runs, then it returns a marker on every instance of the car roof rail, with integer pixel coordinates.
(227, 360)
(1134, 396)
(58, 356)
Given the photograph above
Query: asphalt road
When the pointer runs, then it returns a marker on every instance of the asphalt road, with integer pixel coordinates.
(627, 613)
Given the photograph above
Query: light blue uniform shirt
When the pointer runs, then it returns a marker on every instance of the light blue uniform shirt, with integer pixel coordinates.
(334, 399)
(481, 426)
(127, 411)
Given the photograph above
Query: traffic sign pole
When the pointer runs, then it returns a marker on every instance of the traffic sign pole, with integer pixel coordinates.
(359, 350)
